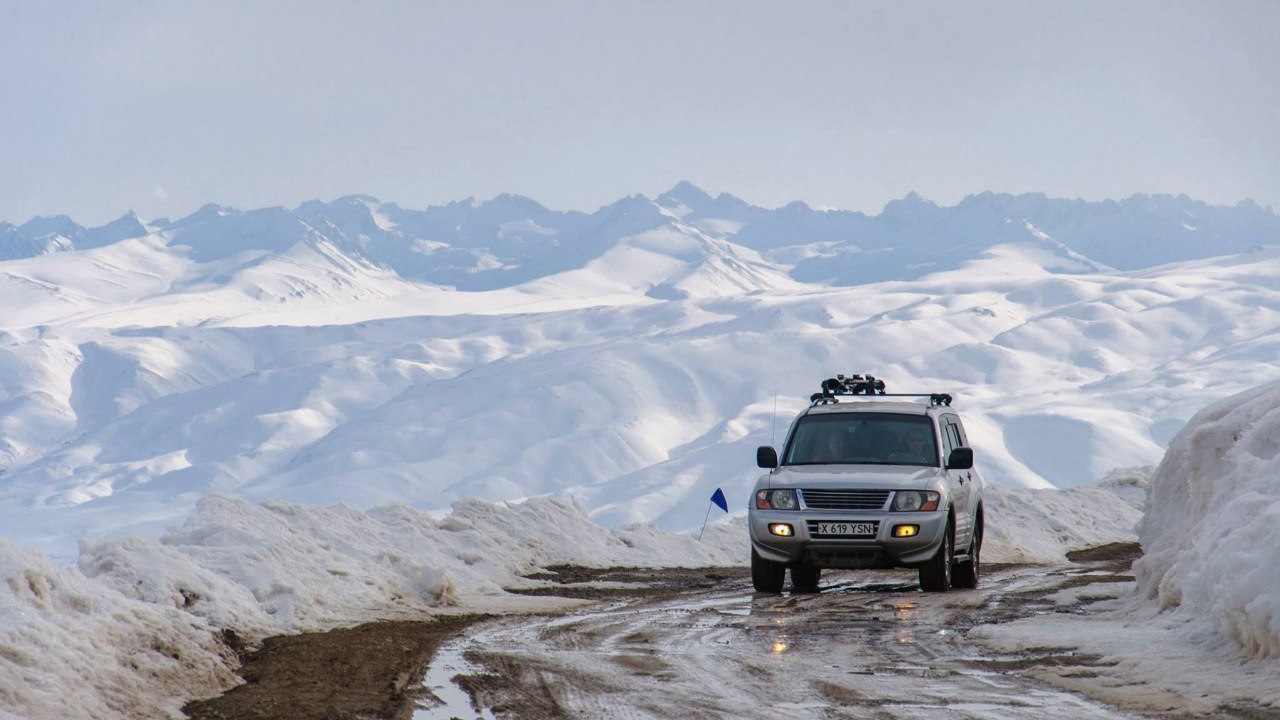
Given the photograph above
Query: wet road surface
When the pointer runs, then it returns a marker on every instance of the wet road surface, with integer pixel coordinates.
(869, 645)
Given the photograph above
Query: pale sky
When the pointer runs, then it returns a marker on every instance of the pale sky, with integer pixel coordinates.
(161, 107)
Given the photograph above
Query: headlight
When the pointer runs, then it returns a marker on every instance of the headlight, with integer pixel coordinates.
(776, 500)
(915, 501)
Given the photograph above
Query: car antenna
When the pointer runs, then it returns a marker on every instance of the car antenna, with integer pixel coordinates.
(773, 434)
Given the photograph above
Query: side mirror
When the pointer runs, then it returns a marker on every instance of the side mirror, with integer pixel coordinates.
(766, 457)
(960, 459)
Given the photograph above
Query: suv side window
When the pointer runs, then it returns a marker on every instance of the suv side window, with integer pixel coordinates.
(960, 434)
(951, 438)
(948, 443)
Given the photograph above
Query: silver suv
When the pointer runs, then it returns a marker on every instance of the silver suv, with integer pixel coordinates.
(868, 483)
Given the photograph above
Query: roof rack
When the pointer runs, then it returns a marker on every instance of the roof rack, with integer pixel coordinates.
(842, 385)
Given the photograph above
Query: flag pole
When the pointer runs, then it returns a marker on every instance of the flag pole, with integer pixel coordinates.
(704, 521)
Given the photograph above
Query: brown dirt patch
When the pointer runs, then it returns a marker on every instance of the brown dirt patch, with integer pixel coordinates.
(372, 671)
(1246, 711)
(573, 581)
(368, 671)
(1036, 659)
(1111, 552)
(1075, 581)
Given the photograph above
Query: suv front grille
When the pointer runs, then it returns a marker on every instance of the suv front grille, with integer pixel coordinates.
(845, 499)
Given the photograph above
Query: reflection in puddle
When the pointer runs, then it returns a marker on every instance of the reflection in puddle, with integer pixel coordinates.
(904, 612)
(452, 702)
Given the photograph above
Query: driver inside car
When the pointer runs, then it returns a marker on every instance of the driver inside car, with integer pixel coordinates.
(914, 451)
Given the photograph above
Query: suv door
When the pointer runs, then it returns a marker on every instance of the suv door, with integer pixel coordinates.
(974, 480)
(961, 481)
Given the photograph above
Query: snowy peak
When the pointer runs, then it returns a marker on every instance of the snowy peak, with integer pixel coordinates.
(676, 261)
(214, 232)
(125, 227)
(39, 236)
(723, 212)
(911, 204)
(62, 225)
(684, 198)
(508, 205)
(631, 215)
(353, 216)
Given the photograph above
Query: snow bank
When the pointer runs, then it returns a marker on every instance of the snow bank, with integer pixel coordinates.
(132, 630)
(281, 567)
(1211, 534)
(72, 647)
(133, 627)
(1041, 526)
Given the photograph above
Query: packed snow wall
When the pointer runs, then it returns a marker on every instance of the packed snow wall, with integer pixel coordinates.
(1211, 533)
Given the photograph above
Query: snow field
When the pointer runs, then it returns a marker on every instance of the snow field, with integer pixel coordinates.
(637, 410)
(359, 352)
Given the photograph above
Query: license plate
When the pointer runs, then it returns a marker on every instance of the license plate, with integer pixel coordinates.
(844, 528)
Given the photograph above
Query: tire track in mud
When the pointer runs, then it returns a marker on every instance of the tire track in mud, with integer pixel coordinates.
(869, 645)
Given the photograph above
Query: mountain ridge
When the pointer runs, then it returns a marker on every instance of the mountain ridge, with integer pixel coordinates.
(511, 239)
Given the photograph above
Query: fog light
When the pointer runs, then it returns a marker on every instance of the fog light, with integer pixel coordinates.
(781, 529)
(905, 530)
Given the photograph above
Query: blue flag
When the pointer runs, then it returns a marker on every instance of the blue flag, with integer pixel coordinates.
(718, 498)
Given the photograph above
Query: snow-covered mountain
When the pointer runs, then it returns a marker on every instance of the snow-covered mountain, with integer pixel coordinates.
(358, 351)
(509, 240)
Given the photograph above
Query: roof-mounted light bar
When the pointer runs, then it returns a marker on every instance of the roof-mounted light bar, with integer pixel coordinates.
(866, 385)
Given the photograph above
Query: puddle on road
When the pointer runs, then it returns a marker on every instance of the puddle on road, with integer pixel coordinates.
(730, 605)
(454, 702)
(860, 643)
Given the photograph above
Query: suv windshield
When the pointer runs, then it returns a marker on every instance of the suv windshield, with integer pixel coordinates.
(863, 438)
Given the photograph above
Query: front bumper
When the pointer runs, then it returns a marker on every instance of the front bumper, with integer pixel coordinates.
(881, 551)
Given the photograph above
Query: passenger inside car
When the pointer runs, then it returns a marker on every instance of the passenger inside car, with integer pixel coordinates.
(829, 449)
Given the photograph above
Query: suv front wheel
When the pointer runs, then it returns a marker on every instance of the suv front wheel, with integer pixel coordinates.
(935, 574)
(766, 575)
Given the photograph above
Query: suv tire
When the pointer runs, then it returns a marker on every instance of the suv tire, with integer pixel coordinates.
(805, 578)
(965, 574)
(935, 574)
(766, 575)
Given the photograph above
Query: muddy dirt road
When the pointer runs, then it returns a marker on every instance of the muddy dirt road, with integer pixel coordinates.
(869, 645)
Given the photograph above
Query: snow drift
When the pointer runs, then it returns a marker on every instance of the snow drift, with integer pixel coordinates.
(73, 647)
(132, 632)
(1211, 533)
(1040, 526)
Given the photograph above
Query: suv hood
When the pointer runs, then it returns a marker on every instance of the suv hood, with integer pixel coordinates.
(854, 476)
